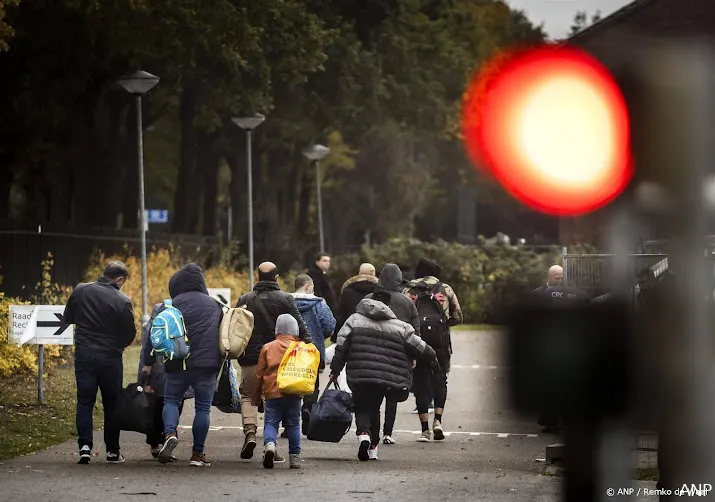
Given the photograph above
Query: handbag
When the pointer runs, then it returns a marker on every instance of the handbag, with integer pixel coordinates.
(135, 410)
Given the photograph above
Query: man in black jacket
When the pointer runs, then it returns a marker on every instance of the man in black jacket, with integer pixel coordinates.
(266, 302)
(354, 289)
(554, 278)
(202, 317)
(319, 273)
(104, 327)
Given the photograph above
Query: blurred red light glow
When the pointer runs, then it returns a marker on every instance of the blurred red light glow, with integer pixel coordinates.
(550, 124)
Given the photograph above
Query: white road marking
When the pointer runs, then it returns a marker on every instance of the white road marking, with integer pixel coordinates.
(500, 435)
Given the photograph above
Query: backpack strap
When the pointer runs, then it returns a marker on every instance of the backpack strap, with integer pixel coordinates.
(261, 306)
(225, 308)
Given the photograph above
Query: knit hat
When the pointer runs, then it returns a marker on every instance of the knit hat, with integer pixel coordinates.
(286, 325)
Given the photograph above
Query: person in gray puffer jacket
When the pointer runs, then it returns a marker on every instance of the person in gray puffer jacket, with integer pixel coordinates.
(405, 310)
(378, 349)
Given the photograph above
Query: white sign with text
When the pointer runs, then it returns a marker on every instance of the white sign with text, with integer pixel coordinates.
(39, 325)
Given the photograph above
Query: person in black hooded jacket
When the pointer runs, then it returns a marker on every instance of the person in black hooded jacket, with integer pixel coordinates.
(353, 291)
(390, 282)
(202, 317)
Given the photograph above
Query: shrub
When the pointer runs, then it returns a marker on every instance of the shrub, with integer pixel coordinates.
(13, 358)
(16, 359)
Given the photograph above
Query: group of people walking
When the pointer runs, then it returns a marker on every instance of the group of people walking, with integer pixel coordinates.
(390, 333)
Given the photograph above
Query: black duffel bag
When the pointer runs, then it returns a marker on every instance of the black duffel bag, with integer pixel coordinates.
(332, 416)
(226, 394)
(135, 410)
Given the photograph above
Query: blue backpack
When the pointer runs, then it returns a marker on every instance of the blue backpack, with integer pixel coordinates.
(168, 334)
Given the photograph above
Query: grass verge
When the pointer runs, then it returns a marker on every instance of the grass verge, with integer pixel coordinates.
(27, 427)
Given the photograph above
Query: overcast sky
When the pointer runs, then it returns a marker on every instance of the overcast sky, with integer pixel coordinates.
(557, 15)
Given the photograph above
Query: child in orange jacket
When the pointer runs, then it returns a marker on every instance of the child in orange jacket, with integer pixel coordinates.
(279, 407)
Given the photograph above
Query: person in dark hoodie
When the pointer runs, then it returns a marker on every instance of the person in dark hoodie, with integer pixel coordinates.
(320, 323)
(202, 317)
(428, 383)
(354, 289)
(104, 327)
(266, 302)
(390, 282)
(319, 273)
(379, 350)
(151, 373)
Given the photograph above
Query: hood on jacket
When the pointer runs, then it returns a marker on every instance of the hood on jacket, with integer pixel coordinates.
(427, 268)
(305, 301)
(188, 278)
(390, 278)
(361, 283)
(375, 310)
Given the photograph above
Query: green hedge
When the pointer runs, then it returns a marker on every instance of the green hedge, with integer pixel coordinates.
(488, 279)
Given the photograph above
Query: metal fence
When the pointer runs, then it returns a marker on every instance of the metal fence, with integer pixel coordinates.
(591, 272)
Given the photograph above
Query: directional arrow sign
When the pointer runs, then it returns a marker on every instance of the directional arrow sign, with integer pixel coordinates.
(39, 325)
(59, 324)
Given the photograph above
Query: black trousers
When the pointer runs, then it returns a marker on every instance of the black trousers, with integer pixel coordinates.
(93, 373)
(368, 399)
(156, 438)
(390, 416)
(429, 384)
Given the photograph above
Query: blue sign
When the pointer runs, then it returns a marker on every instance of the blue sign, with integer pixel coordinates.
(157, 216)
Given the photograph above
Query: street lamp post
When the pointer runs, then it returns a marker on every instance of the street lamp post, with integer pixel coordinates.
(315, 153)
(248, 124)
(138, 84)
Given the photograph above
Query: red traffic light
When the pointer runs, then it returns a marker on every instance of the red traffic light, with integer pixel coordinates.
(551, 126)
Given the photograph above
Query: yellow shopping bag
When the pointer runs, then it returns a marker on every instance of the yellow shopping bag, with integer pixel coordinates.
(299, 369)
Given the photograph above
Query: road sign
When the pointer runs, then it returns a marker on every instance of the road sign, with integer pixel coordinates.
(39, 325)
(157, 216)
(221, 294)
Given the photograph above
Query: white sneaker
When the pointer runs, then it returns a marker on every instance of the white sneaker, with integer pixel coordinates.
(388, 440)
(372, 453)
(364, 442)
(85, 455)
(426, 437)
(269, 455)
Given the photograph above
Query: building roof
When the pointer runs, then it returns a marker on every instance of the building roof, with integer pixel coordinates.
(654, 18)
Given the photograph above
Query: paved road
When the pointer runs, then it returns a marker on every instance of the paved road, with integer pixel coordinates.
(489, 455)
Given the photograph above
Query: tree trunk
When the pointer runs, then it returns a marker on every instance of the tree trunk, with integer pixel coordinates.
(130, 187)
(7, 176)
(113, 159)
(235, 158)
(208, 167)
(304, 200)
(185, 197)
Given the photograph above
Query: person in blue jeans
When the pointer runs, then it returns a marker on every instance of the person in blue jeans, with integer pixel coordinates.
(104, 327)
(279, 407)
(320, 323)
(202, 317)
